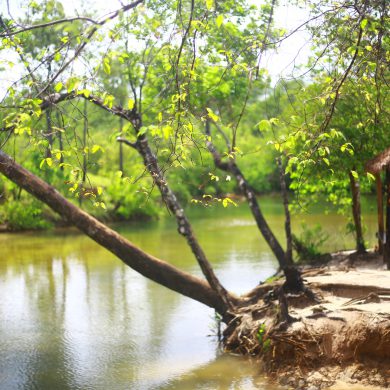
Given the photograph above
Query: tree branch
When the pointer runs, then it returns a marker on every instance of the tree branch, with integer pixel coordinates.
(127, 142)
(145, 264)
(113, 15)
(43, 25)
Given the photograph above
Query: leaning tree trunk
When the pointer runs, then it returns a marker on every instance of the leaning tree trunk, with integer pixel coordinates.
(147, 265)
(151, 164)
(356, 212)
(294, 282)
(184, 226)
(250, 195)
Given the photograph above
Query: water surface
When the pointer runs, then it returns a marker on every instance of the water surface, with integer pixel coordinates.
(74, 317)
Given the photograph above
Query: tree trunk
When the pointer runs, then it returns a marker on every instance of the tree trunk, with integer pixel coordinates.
(184, 226)
(381, 225)
(287, 223)
(60, 142)
(386, 249)
(147, 265)
(356, 212)
(121, 146)
(250, 195)
(151, 164)
(85, 133)
(49, 134)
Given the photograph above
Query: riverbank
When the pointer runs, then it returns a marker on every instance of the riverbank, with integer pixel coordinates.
(343, 339)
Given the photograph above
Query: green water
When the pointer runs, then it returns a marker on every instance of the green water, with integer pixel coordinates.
(73, 317)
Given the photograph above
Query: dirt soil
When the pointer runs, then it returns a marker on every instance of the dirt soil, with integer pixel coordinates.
(340, 342)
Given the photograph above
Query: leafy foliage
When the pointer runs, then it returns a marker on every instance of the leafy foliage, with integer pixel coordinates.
(308, 243)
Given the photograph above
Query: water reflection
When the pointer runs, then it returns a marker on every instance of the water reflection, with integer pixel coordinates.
(74, 317)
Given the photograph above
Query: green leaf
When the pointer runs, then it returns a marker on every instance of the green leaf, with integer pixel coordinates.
(355, 174)
(209, 4)
(106, 66)
(130, 104)
(211, 115)
(96, 148)
(142, 130)
(219, 20)
(72, 84)
(370, 176)
(227, 201)
(363, 23)
(85, 92)
(167, 131)
(264, 125)
(58, 87)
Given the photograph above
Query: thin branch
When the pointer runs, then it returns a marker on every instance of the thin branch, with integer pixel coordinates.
(113, 15)
(127, 142)
(263, 44)
(337, 91)
(43, 25)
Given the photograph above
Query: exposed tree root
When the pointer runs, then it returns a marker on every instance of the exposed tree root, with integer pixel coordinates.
(345, 338)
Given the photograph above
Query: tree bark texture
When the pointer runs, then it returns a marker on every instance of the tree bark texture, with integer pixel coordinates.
(356, 212)
(147, 265)
(250, 195)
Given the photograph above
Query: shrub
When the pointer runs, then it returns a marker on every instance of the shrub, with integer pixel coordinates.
(308, 244)
(24, 215)
(126, 200)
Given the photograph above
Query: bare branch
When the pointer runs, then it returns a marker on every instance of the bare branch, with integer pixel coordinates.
(127, 142)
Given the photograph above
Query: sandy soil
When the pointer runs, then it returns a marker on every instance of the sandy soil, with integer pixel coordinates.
(341, 342)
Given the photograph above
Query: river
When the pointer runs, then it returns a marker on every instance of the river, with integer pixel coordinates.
(74, 317)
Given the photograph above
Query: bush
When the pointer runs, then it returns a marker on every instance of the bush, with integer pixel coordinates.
(126, 200)
(308, 244)
(24, 215)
